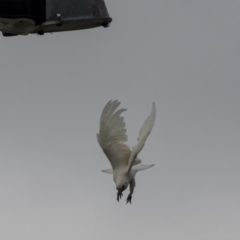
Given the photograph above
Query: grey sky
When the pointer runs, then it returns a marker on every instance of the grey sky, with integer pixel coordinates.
(185, 56)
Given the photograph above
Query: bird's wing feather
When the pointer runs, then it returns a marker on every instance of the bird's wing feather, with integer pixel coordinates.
(143, 134)
(112, 135)
(137, 161)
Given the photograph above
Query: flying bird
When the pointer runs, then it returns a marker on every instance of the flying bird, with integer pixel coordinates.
(112, 137)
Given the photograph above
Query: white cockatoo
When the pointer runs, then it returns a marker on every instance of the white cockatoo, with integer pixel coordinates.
(112, 137)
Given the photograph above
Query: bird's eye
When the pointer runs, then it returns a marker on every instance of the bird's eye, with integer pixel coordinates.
(123, 187)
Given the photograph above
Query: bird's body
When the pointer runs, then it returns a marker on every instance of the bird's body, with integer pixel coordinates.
(111, 138)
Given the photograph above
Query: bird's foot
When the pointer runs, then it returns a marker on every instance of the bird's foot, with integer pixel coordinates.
(129, 199)
(119, 195)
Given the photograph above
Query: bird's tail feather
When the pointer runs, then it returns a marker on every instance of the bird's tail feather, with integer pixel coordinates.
(109, 171)
(141, 167)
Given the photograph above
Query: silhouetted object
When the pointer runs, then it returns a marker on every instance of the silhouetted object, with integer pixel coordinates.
(21, 17)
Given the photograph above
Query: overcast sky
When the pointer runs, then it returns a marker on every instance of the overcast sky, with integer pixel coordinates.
(182, 54)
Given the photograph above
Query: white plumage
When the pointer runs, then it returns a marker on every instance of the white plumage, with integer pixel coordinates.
(112, 137)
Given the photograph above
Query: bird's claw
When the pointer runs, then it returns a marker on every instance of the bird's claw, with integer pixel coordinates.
(119, 196)
(129, 199)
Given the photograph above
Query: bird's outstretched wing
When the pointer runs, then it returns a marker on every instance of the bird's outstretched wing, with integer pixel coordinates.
(144, 132)
(112, 135)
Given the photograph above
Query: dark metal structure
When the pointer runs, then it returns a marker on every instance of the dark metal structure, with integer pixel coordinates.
(21, 17)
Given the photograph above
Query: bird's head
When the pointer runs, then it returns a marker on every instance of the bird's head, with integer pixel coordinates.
(121, 185)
